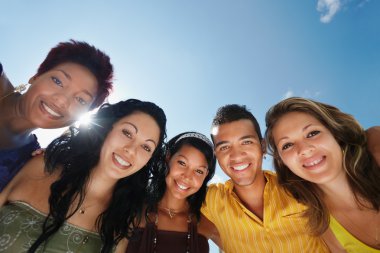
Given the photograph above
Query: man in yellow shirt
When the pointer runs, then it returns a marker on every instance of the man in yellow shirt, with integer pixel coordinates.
(251, 211)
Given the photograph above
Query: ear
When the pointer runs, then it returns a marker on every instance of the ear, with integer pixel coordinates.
(167, 157)
(263, 146)
(33, 78)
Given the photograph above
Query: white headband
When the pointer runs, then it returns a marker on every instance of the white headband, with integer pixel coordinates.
(198, 136)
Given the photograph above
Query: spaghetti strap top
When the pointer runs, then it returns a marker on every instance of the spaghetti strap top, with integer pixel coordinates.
(350, 243)
(151, 240)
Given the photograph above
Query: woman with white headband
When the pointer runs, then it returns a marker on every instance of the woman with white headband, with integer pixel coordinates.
(173, 220)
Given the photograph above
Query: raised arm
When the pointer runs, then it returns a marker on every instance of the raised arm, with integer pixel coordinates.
(208, 229)
(373, 136)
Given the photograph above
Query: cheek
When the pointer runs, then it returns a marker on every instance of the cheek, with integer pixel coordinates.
(296, 171)
(143, 159)
(199, 182)
(285, 158)
(222, 159)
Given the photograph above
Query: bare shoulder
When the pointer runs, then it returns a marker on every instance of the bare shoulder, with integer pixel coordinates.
(34, 169)
(122, 246)
(31, 184)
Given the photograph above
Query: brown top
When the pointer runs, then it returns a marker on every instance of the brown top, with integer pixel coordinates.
(167, 241)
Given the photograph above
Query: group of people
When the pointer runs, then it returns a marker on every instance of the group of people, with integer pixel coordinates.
(116, 185)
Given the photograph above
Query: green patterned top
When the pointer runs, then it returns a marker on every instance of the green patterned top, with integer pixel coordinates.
(21, 224)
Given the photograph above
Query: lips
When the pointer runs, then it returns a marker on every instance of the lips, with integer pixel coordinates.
(182, 186)
(50, 111)
(240, 167)
(120, 162)
(314, 163)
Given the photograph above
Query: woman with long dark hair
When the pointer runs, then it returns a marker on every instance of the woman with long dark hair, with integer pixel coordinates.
(88, 190)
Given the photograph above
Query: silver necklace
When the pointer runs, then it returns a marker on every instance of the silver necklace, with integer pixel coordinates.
(17, 89)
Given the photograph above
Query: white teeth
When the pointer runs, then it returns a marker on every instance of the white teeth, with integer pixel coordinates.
(182, 187)
(51, 111)
(241, 167)
(121, 160)
(313, 162)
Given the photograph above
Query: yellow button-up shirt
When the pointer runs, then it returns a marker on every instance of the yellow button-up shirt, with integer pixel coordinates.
(281, 230)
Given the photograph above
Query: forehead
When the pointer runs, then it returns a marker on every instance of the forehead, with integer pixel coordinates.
(78, 74)
(191, 153)
(145, 123)
(296, 118)
(232, 130)
(293, 120)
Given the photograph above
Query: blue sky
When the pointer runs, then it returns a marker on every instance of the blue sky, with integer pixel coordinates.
(191, 57)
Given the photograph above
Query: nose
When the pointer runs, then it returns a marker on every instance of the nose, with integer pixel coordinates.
(305, 148)
(130, 148)
(187, 174)
(61, 100)
(236, 152)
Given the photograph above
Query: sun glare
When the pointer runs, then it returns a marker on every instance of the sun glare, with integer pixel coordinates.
(85, 119)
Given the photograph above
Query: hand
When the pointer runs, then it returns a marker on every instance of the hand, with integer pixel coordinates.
(39, 151)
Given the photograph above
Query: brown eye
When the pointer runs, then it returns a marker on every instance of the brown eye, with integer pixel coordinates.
(127, 133)
(199, 171)
(313, 133)
(147, 148)
(286, 146)
(182, 163)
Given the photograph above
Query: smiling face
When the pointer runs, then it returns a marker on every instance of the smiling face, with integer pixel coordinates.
(129, 145)
(59, 96)
(308, 148)
(188, 170)
(239, 151)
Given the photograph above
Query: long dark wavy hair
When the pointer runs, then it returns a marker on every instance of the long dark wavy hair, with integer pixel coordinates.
(363, 174)
(157, 185)
(76, 153)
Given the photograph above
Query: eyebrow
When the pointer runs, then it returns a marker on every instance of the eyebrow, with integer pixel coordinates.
(67, 75)
(137, 130)
(241, 138)
(286, 137)
(200, 166)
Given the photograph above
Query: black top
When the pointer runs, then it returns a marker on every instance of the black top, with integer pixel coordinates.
(167, 241)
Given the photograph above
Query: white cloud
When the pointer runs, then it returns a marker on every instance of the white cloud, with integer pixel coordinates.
(305, 94)
(328, 9)
(289, 94)
(362, 3)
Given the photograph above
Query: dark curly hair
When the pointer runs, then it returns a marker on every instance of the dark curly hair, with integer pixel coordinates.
(79, 52)
(157, 185)
(75, 154)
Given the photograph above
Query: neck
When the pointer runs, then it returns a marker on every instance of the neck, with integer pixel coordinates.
(13, 115)
(15, 130)
(100, 187)
(177, 205)
(337, 193)
(252, 195)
